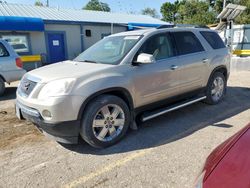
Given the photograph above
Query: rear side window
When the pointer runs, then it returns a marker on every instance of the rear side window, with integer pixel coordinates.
(3, 51)
(213, 39)
(187, 43)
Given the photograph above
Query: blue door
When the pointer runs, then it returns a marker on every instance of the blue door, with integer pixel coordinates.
(56, 47)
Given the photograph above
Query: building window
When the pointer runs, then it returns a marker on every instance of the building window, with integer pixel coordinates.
(88, 33)
(18, 42)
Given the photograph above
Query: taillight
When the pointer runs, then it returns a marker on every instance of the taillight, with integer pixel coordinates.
(19, 62)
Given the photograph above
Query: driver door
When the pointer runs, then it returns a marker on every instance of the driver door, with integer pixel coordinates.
(160, 80)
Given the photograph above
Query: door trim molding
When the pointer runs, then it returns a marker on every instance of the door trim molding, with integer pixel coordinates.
(46, 33)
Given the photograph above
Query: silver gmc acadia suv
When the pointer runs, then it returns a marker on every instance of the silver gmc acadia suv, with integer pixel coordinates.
(124, 78)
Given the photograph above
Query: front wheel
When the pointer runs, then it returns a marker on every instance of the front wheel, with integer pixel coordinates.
(216, 88)
(105, 121)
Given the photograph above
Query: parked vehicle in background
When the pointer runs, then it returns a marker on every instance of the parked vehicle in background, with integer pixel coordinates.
(228, 166)
(10, 65)
(124, 77)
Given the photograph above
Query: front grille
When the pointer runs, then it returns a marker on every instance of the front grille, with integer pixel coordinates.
(26, 86)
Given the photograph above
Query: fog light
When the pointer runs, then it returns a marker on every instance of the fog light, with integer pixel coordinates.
(46, 114)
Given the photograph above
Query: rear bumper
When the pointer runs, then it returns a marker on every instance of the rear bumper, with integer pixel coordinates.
(64, 132)
(14, 75)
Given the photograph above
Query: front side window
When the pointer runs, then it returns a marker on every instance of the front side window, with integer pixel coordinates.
(110, 50)
(18, 42)
(160, 46)
(187, 43)
(3, 51)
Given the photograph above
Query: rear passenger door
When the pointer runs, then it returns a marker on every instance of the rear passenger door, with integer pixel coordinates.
(192, 59)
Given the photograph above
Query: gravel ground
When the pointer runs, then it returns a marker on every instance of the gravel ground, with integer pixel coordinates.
(168, 151)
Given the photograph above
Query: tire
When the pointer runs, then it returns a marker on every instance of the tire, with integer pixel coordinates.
(215, 94)
(100, 130)
(2, 86)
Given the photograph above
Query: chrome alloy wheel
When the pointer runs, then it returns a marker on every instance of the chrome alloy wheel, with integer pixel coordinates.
(217, 88)
(108, 122)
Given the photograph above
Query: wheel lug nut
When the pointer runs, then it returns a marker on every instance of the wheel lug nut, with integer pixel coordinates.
(107, 118)
(113, 122)
(111, 118)
(110, 126)
(105, 122)
(107, 126)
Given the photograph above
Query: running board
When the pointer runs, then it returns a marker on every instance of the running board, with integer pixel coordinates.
(159, 112)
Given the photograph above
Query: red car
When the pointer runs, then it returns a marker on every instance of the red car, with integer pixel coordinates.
(228, 166)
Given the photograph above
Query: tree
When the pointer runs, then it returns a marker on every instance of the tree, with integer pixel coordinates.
(169, 11)
(150, 12)
(39, 3)
(201, 12)
(97, 6)
(244, 18)
(196, 12)
(188, 12)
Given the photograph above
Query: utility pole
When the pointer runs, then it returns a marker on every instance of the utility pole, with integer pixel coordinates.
(47, 3)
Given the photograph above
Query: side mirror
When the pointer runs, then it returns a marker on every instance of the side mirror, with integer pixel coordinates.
(145, 58)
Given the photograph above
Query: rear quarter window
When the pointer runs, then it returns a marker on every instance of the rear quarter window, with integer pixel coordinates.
(213, 39)
(3, 51)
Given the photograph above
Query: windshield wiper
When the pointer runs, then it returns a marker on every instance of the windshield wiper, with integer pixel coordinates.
(88, 61)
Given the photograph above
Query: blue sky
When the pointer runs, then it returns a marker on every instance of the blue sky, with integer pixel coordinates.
(115, 5)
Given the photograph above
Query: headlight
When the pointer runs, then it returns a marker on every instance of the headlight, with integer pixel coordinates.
(57, 88)
(199, 181)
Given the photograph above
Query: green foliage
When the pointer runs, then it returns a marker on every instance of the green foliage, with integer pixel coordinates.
(244, 18)
(201, 12)
(39, 3)
(169, 11)
(97, 6)
(150, 12)
(196, 12)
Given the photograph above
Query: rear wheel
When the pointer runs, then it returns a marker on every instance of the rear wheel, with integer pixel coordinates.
(216, 88)
(105, 121)
(2, 87)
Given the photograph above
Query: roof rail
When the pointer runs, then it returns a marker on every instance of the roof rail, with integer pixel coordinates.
(193, 26)
(165, 26)
(182, 25)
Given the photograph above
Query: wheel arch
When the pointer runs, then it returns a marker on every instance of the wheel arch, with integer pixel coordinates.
(222, 69)
(116, 91)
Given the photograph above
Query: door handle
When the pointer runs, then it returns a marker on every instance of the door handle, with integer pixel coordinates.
(174, 67)
(204, 60)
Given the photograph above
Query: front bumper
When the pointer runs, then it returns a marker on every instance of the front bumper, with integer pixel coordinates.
(64, 132)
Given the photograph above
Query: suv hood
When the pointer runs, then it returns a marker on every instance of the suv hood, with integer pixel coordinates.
(66, 69)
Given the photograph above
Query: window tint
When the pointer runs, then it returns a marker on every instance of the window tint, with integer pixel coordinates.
(213, 39)
(3, 51)
(160, 46)
(187, 42)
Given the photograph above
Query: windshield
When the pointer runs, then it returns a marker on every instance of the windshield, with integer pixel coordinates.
(110, 50)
